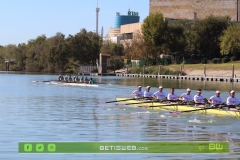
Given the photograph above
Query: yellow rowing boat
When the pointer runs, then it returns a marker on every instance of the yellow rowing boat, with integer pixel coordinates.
(178, 107)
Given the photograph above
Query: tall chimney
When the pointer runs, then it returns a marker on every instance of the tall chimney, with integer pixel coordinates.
(97, 10)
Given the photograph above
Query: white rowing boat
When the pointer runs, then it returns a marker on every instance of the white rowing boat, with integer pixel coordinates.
(74, 84)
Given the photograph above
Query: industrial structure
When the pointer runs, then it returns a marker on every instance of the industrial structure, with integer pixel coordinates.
(115, 34)
(97, 11)
(131, 17)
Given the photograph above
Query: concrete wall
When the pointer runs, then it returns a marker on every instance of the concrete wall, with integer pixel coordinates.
(113, 32)
(115, 39)
(195, 8)
(131, 28)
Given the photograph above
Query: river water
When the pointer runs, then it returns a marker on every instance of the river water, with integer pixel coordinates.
(32, 110)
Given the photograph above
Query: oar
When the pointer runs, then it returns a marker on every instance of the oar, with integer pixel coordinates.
(163, 105)
(117, 101)
(176, 112)
(173, 104)
(187, 103)
(41, 81)
(150, 101)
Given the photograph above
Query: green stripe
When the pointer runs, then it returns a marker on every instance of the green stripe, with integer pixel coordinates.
(123, 147)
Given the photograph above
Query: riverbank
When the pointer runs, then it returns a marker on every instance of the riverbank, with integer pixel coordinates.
(209, 72)
(213, 72)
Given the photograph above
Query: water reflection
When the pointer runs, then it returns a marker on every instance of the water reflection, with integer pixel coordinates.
(180, 84)
(44, 112)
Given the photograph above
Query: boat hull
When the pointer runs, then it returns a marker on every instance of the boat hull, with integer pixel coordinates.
(74, 84)
(177, 107)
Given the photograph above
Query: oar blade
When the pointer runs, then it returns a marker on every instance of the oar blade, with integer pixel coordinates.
(117, 101)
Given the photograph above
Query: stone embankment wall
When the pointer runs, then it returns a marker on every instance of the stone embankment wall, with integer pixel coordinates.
(190, 9)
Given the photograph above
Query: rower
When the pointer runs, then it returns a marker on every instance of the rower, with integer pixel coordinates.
(91, 81)
(199, 98)
(172, 95)
(74, 79)
(216, 100)
(77, 79)
(232, 101)
(70, 79)
(138, 93)
(86, 80)
(59, 78)
(147, 94)
(186, 97)
(82, 79)
(66, 78)
(159, 95)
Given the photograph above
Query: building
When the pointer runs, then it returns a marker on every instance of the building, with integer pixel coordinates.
(131, 17)
(127, 25)
(128, 30)
(116, 34)
(190, 9)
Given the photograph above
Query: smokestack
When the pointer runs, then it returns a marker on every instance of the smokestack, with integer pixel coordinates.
(102, 32)
(97, 10)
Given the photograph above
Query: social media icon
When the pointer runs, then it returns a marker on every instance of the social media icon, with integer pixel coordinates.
(27, 147)
(51, 147)
(39, 147)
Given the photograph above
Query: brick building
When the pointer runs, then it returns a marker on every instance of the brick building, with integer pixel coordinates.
(190, 9)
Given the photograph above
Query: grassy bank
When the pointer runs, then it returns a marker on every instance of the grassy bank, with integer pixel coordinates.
(153, 70)
(174, 69)
(221, 66)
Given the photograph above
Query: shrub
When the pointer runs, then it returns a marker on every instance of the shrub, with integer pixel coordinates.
(95, 71)
(204, 61)
(225, 60)
(33, 67)
(135, 70)
(233, 58)
(215, 60)
(152, 70)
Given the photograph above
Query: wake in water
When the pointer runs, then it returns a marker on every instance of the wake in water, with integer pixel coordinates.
(195, 120)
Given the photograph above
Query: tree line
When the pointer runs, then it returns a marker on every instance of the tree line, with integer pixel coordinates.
(55, 54)
(209, 38)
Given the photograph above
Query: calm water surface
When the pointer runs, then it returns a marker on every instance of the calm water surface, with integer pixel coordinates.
(37, 111)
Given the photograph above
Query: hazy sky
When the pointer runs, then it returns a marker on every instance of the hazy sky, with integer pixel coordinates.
(22, 20)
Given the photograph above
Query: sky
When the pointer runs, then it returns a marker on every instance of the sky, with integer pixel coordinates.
(23, 20)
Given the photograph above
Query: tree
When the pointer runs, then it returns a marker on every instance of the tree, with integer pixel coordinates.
(35, 54)
(209, 30)
(58, 54)
(155, 28)
(230, 41)
(139, 49)
(20, 57)
(176, 38)
(155, 35)
(161, 36)
(84, 47)
(116, 52)
(7, 52)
